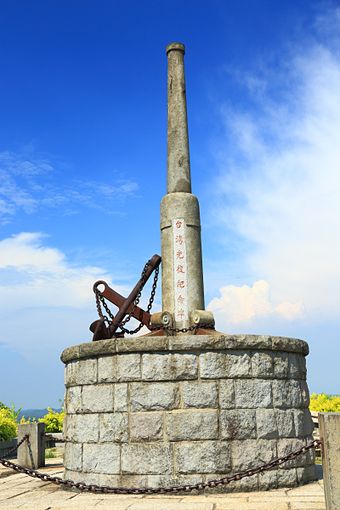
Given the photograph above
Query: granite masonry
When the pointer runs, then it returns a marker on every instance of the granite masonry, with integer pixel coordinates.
(156, 411)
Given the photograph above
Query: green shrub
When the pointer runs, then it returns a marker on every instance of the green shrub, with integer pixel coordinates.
(53, 420)
(8, 424)
(323, 403)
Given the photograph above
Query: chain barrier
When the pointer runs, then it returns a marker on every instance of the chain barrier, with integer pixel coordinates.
(161, 490)
(100, 302)
(13, 450)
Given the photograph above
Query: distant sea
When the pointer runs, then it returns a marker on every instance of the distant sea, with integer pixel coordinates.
(35, 413)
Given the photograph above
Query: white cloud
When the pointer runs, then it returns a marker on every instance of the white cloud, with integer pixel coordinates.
(282, 182)
(238, 304)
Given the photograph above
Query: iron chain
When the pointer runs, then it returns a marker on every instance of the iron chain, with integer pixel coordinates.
(161, 490)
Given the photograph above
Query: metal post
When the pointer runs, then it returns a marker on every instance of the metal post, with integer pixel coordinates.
(329, 424)
(31, 453)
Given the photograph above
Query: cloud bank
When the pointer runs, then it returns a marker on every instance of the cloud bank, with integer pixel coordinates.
(279, 189)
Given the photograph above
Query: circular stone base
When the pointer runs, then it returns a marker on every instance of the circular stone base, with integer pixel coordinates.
(157, 411)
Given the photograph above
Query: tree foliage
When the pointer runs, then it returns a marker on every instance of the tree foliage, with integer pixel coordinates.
(53, 420)
(323, 403)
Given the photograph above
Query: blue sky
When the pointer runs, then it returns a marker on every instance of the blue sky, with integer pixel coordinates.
(83, 162)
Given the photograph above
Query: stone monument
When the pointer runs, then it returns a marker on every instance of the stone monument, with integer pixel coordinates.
(185, 403)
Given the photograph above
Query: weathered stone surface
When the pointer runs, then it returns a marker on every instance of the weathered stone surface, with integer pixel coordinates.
(210, 456)
(297, 366)
(245, 454)
(73, 455)
(73, 400)
(226, 394)
(146, 426)
(199, 394)
(238, 424)
(286, 477)
(281, 365)
(306, 474)
(168, 480)
(216, 365)
(146, 458)
(148, 396)
(169, 367)
(286, 446)
(266, 424)
(304, 391)
(101, 458)
(262, 365)
(267, 480)
(113, 427)
(97, 398)
(123, 367)
(192, 425)
(285, 422)
(214, 341)
(120, 397)
(253, 393)
(286, 394)
(303, 423)
(82, 428)
(128, 367)
(81, 372)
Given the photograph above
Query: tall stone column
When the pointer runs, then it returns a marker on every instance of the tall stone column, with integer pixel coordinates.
(182, 277)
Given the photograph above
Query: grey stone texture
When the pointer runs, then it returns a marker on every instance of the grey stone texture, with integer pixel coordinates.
(181, 412)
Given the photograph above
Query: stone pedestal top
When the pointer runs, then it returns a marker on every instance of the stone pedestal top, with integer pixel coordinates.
(215, 342)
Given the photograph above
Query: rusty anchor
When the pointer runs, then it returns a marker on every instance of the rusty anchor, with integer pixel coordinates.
(106, 327)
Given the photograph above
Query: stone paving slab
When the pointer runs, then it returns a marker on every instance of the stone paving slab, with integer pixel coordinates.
(18, 491)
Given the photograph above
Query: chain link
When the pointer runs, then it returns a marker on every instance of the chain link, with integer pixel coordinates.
(161, 490)
(100, 302)
(13, 450)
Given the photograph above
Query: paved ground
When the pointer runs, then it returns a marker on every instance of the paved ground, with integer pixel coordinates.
(26, 493)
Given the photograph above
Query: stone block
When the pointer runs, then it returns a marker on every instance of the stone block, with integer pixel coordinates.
(168, 480)
(210, 456)
(306, 474)
(146, 458)
(119, 368)
(249, 453)
(128, 367)
(253, 393)
(97, 398)
(281, 365)
(154, 396)
(199, 394)
(113, 427)
(81, 428)
(287, 477)
(262, 365)
(191, 425)
(297, 366)
(285, 422)
(266, 424)
(304, 392)
(120, 397)
(73, 400)
(303, 422)
(217, 365)
(226, 393)
(73, 455)
(146, 426)
(107, 369)
(101, 458)
(238, 424)
(81, 372)
(286, 394)
(169, 367)
(268, 480)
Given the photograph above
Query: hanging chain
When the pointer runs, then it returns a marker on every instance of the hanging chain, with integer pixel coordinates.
(160, 490)
(100, 302)
(13, 450)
